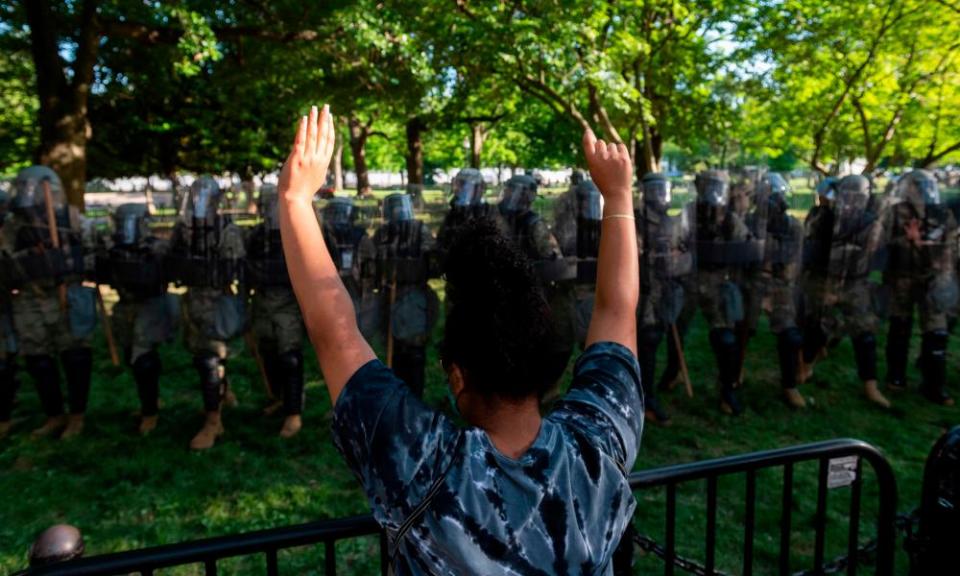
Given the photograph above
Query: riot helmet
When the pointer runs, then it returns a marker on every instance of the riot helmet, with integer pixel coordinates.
(397, 208)
(28, 188)
(576, 177)
(268, 206)
(713, 187)
(656, 190)
(130, 223)
(778, 192)
(205, 197)
(827, 190)
(518, 194)
(919, 188)
(853, 195)
(589, 201)
(338, 211)
(468, 188)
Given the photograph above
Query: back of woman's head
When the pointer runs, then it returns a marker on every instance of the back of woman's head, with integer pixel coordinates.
(498, 329)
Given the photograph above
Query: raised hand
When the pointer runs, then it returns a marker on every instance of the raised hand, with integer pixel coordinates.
(610, 167)
(305, 170)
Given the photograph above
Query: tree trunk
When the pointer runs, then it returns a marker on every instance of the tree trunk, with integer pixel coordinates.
(477, 136)
(64, 127)
(358, 147)
(415, 128)
(338, 162)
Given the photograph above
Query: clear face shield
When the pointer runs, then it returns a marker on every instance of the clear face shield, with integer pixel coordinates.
(713, 190)
(928, 189)
(397, 208)
(28, 188)
(657, 192)
(589, 202)
(129, 222)
(852, 197)
(267, 207)
(338, 212)
(827, 191)
(517, 196)
(204, 198)
(467, 192)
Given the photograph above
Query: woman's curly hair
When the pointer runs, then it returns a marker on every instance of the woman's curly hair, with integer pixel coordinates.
(499, 329)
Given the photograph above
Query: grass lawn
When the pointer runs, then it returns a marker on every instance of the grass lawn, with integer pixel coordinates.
(127, 492)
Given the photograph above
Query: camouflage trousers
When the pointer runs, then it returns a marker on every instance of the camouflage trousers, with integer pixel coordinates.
(277, 323)
(42, 325)
(775, 297)
(720, 298)
(905, 293)
(141, 324)
(199, 321)
(839, 310)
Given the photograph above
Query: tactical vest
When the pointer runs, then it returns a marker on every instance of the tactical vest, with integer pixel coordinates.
(850, 257)
(818, 236)
(135, 269)
(34, 258)
(266, 266)
(194, 259)
(343, 242)
(907, 260)
(717, 246)
(400, 255)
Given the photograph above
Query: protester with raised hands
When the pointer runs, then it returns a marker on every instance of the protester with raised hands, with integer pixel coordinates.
(513, 492)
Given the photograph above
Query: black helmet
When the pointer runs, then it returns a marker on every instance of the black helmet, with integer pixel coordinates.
(28, 189)
(205, 197)
(827, 189)
(919, 187)
(656, 189)
(468, 188)
(397, 208)
(338, 211)
(713, 187)
(130, 223)
(268, 206)
(589, 201)
(518, 194)
(853, 194)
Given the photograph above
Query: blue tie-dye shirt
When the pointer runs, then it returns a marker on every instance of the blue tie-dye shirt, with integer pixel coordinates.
(560, 508)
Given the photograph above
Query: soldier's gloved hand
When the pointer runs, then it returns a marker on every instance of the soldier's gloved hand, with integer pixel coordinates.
(610, 167)
(305, 170)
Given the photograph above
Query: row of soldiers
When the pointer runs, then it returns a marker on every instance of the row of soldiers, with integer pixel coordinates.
(733, 253)
(235, 283)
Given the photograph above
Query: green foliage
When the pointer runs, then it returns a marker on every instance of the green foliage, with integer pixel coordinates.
(18, 108)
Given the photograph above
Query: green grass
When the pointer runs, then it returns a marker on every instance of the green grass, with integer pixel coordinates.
(125, 492)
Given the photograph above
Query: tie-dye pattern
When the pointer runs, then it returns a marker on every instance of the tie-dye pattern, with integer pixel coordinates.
(561, 508)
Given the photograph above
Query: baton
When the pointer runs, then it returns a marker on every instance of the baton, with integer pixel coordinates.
(107, 329)
(683, 361)
(392, 300)
(54, 238)
(255, 352)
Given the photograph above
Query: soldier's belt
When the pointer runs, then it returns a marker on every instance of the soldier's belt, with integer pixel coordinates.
(202, 272)
(558, 270)
(139, 273)
(50, 264)
(267, 272)
(730, 253)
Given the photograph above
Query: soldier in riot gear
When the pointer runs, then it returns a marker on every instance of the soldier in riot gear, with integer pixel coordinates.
(839, 246)
(725, 245)
(206, 255)
(131, 261)
(8, 342)
(277, 323)
(350, 247)
(521, 223)
(666, 245)
(466, 202)
(921, 236)
(404, 248)
(771, 286)
(53, 313)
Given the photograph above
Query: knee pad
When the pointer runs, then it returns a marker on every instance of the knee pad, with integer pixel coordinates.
(792, 337)
(901, 326)
(650, 337)
(292, 361)
(723, 339)
(208, 366)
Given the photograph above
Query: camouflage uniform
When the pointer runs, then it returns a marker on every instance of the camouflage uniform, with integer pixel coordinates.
(131, 261)
(920, 273)
(405, 249)
(771, 286)
(45, 327)
(665, 245)
(534, 238)
(277, 322)
(577, 230)
(839, 245)
(205, 255)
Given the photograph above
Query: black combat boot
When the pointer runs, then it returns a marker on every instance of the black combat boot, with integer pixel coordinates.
(146, 372)
(648, 340)
(290, 371)
(789, 343)
(898, 348)
(46, 377)
(933, 356)
(213, 387)
(78, 368)
(725, 349)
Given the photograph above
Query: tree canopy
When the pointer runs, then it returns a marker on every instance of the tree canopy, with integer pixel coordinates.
(102, 88)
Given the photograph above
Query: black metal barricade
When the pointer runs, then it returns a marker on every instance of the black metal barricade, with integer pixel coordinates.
(270, 542)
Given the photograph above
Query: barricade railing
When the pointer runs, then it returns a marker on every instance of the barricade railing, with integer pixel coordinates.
(269, 543)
